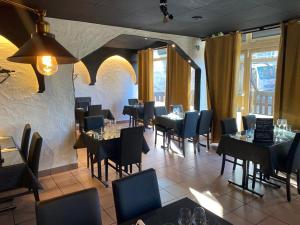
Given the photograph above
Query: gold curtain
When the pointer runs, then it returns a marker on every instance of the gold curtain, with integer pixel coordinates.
(145, 75)
(178, 80)
(287, 91)
(221, 62)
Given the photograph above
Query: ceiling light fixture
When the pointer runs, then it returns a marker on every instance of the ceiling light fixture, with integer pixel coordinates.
(42, 49)
(164, 9)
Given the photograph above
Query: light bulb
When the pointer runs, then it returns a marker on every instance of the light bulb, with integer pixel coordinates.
(46, 65)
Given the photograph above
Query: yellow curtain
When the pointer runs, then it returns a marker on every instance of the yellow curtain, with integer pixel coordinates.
(178, 80)
(145, 75)
(287, 91)
(221, 61)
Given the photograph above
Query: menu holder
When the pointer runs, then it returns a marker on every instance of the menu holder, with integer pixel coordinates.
(264, 132)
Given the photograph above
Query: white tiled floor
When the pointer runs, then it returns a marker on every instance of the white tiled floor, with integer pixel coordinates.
(195, 176)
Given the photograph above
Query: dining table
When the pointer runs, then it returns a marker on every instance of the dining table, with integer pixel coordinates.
(170, 121)
(169, 214)
(267, 155)
(134, 112)
(103, 144)
(14, 171)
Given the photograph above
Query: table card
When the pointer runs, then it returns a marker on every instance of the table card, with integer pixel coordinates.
(264, 131)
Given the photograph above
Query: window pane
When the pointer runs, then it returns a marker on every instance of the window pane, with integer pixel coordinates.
(159, 73)
(262, 82)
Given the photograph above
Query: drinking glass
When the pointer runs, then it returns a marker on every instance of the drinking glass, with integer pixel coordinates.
(279, 123)
(199, 216)
(185, 215)
(284, 123)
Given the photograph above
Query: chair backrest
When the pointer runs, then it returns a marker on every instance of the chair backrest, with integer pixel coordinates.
(94, 110)
(248, 121)
(25, 141)
(205, 122)
(190, 124)
(93, 122)
(131, 145)
(136, 195)
(133, 101)
(83, 102)
(79, 208)
(148, 110)
(293, 159)
(229, 126)
(160, 110)
(177, 108)
(34, 153)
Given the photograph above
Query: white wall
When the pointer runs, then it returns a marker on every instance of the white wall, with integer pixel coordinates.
(50, 113)
(115, 84)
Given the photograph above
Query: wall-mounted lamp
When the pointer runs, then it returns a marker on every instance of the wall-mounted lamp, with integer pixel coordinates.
(42, 49)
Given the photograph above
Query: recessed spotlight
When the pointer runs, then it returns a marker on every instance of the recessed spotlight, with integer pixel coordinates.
(173, 45)
(197, 17)
(146, 38)
(189, 61)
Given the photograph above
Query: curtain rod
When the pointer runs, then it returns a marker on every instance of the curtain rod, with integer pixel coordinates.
(251, 30)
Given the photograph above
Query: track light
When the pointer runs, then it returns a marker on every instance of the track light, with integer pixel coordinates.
(164, 9)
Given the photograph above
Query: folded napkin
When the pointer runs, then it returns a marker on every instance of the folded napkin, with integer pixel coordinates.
(140, 222)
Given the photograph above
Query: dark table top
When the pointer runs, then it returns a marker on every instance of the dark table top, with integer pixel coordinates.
(169, 214)
(268, 155)
(170, 121)
(7, 142)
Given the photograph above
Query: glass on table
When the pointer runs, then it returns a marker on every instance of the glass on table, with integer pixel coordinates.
(185, 216)
(284, 123)
(199, 216)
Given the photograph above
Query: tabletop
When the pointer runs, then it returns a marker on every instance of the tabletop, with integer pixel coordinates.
(172, 121)
(7, 142)
(169, 214)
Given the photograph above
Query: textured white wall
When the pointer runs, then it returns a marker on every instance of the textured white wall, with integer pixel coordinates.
(50, 113)
(115, 84)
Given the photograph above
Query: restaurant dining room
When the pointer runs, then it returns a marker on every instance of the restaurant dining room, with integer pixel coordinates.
(136, 112)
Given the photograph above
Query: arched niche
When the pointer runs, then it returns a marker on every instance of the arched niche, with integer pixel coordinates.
(81, 73)
(116, 62)
(24, 77)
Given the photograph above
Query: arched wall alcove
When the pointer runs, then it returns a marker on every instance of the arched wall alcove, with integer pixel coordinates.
(81, 73)
(115, 84)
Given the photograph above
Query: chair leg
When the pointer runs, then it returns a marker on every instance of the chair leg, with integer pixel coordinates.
(298, 181)
(120, 171)
(164, 138)
(99, 169)
(223, 164)
(288, 187)
(92, 164)
(183, 147)
(254, 175)
(87, 159)
(130, 168)
(234, 164)
(155, 138)
(140, 167)
(106, 170)
(207, 141)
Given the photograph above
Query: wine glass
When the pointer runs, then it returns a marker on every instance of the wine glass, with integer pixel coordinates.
(185, 215)
(199, 216)
(284, 123)
(279, 123)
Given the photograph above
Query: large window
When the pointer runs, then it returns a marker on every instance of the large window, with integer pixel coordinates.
(160, 74)
(257, 75)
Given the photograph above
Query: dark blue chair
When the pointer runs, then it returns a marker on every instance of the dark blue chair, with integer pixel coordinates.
(136, 195)
(79, 208)
(204, 126)
(133, 101)
(160, 111)
(94, 110)
(25, 141)
(187, 130)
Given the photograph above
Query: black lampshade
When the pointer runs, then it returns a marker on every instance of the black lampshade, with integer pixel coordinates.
(42, 44)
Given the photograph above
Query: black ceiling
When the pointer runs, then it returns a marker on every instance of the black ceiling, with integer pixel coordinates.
(218, 15)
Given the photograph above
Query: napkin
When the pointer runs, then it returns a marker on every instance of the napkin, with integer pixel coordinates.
(140, 222)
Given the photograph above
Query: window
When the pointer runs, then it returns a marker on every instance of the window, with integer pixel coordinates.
(257, 75)
(192, 90)
(159, 75)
